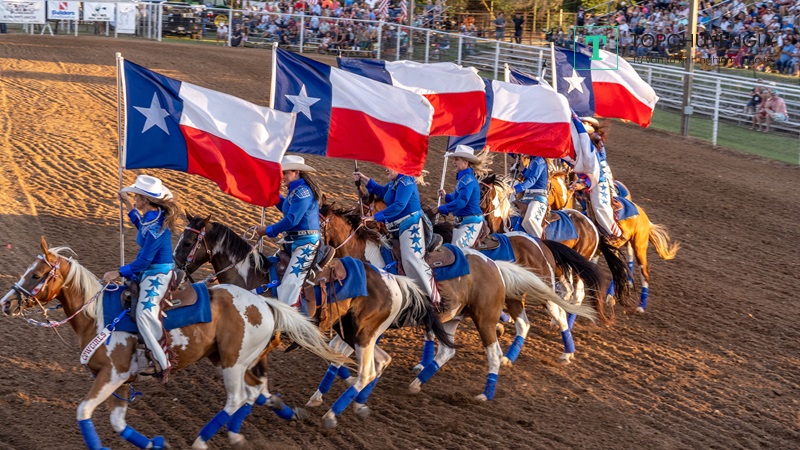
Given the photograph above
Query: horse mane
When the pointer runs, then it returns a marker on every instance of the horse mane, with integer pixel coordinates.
(236, 247)
(354, 220)
(81, 278)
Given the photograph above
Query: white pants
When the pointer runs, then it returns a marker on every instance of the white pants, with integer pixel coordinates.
(534, 217)
(292, 282)
(412, 252)
(600, 197)
(148, 314)
(465, 235)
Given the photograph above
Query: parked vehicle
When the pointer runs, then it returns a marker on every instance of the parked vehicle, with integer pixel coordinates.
(180, 18)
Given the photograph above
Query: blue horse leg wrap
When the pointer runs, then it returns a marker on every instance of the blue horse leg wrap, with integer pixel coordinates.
(343, 372)
(364, 394)
(516, 347)
(610, 290)
(90, 436)
(428, 372)
(211, 428)
(261, 399)
(643, 298)
(630, 271)
(285, 413)
(491, 383)
(504, 317)
(158, 443)
(327, 380)
(428, 350)
(571, 320)
(237, 419)
(569, 344)
(344, 401)
(134, 437)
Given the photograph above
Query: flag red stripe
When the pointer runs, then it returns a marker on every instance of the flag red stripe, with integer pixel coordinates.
(457, 113)
(615, 101)
(550, 140)
(355, 135)
(253, 180)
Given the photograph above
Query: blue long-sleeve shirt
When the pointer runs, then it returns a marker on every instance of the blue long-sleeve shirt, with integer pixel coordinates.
(401, 197)
(466, 199)
(154, 240)
(300, 210)
(534, 175)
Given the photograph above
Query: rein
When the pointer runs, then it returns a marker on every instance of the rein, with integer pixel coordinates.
(324, 227)
(52, 324)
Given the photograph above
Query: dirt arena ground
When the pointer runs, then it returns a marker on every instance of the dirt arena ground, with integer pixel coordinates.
(715, 362)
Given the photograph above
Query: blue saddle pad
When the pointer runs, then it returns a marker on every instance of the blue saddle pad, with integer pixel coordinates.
(503, 253)
(561, 230)
(458, 269)
(388, 259)
(200, 312)
(354, 285)
(622, 190)
(628, 209)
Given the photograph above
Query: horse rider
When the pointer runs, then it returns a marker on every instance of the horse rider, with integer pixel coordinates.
(153, 212)
(300, 226)
(403, 217)
(465, 201)
(533, 186)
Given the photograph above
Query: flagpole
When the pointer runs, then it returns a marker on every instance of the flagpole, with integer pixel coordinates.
(441, 186)
(358, 190)
(553, 66)
(120, 140)
(272, 82)
(507, 79)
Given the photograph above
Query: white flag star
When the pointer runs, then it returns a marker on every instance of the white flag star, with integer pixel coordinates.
(301, 103)
(575, 82)
(155, 115)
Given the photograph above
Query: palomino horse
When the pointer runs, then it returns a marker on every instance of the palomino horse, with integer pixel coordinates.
(392, 301)
(480, 295)
(237, 336)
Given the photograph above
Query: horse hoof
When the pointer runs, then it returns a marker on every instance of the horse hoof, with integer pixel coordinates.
(481, 397)
(300, 415)
(566, 358)
(329, 420)
(199, 444)
(314, 402)
(418, 368)
(610, 301)
(350, 381)
(505, 361)
(362, 411)
(500, 330)
(275, 402)
(639, 310)
(415, 387)
(236, 440)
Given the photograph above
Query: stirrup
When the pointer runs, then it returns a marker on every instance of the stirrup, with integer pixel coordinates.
(435, 243)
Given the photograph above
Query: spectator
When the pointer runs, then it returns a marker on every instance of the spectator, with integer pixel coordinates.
(3, 28)
(500, 27)
(237, 35)
(518, 21)
(773, 109)
(755, 101)
(222, 34)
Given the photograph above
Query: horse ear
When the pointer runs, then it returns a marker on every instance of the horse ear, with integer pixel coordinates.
(207, 221)
(45, 248)
(189, 217)
(323, 200)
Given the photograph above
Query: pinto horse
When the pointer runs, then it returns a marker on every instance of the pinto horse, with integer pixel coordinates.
(392, 301)
(479, 295)
(237, 336)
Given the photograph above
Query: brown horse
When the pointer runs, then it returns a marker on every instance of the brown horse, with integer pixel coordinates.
(238, 334)
(392, 301)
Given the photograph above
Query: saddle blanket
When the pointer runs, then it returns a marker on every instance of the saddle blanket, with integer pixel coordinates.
(562, 229)
(502, 253)
(628, 209)
(354, 284)
(458, 269)
(200, 312)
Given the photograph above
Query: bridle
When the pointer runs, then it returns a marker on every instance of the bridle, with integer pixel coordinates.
(201, 238)
(323, 227)
(28, 297)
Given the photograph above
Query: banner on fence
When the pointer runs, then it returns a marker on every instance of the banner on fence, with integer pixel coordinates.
(126, 18)
(63, 10)
(98, 12)
(22, 11)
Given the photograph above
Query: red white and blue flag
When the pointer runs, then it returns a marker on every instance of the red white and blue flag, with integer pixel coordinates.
(383, 9)
(174, 125)
(403, 11)
(608, 87)
(343, 115)
(529, 119)
(456, 93)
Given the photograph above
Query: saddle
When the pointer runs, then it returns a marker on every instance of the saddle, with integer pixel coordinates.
(616, 205)
(437, 255)
(333, 272)
(178, 294)
(551, 217)
(322, 258)
(486, 243)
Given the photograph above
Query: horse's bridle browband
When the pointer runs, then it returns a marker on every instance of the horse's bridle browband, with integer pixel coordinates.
(201, 235)
(28, 297)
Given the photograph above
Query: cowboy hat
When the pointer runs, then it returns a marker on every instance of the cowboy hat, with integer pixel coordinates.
(593, 124)
(294, 162)
(149, 187)
(464, 152)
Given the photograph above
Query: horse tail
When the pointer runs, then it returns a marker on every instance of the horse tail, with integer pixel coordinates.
(660, 239)
(570, 260)
(303, 332)
(623, 290)
(520, 281)
(417, 309)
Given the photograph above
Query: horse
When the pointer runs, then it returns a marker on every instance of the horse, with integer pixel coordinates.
(392, 301)
(344, 230)
(241, 327)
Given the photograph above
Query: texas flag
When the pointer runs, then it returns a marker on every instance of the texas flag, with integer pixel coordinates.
(174, 125)
(534, 120)
(456, 93)
(608, 87)
(343, 115)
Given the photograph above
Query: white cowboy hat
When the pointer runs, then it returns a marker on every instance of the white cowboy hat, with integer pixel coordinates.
(463, 151)
(149, 187)
(590, 123)
(294, 162)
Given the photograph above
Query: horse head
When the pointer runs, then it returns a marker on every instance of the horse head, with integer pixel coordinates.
(39, 285)
(495, 202)
(193, 248)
